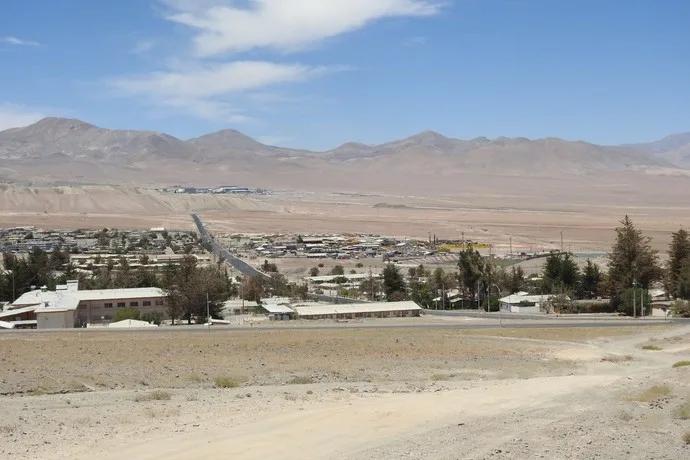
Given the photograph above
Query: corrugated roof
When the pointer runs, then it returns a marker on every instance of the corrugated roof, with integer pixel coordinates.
(516, 299)
(277, 309)
(16, 311)
(70, 300)
(355, 308)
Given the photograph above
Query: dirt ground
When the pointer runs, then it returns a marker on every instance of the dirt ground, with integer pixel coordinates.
(419, 392)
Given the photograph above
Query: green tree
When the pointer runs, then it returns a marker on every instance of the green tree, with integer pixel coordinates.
(338, 270)
(591, 279)
(516, 279)
(678, 254)
(632, 259)
(393, 283)
(314, 271)
(126, 313)
(560, 273)
(472, 268)
(152, 317)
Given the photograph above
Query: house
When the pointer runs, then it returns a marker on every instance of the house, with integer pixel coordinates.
(522, 302)
(68, 306)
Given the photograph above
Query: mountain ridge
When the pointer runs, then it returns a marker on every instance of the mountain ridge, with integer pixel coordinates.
(47, 149)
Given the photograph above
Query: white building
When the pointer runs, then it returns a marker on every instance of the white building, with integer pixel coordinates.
(522, 302)
(67, 306)
(358, 310)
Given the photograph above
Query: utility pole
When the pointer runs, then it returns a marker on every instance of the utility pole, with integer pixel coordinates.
(511, 246)
(634, 299)
(208, 312)
(562, 248)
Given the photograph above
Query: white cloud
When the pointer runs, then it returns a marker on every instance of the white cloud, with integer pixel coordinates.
(206, 90)
(19, 42)
(285, 25)
(15, 116)
(206, 83)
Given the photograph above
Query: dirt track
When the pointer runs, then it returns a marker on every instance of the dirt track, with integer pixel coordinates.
(349, 395)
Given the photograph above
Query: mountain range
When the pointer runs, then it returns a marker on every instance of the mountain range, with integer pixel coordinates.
(66, 150)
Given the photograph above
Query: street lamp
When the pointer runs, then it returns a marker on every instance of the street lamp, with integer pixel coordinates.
(634, 284)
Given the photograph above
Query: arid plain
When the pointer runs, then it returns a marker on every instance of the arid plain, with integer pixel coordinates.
(532, 211)
(347, 392)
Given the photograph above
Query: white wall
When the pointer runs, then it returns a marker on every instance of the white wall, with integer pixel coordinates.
(55, 320)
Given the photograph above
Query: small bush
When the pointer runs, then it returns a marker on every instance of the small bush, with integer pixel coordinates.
(652, 348)
(441, 377)
(680, 309)
(8, 429)
(686, 437)
(616, 358)
(156, 395)
(126, 313)
(625, 416)
(653, 394)
(683, 411)
(682, 363)
(153, 317)
(227, 382)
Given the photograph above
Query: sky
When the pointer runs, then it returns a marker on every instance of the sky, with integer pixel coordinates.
(318, 73)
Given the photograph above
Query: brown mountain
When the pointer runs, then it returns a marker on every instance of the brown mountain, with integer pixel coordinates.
(62, 150)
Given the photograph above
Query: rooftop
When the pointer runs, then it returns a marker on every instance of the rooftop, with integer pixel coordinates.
(331, 309)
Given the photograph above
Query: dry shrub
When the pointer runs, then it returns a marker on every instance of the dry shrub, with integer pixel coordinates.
(683, 411)
(652, 348)
(156, 395)
(617, 358)
(682, 363)
(686, 437)
(300, 381)
(227, 382)
(652, 394)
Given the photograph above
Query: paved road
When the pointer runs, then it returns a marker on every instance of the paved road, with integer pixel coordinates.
(219, 251)
(382, 324)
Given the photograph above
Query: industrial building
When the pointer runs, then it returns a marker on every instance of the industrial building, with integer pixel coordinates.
(68, 307)
(358, 310)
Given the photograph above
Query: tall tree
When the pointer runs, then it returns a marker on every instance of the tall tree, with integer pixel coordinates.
(591, 279)
(632, 260)
(471, 266)
(678, 254)
(515, 279)
(393, 283)
(560, 274)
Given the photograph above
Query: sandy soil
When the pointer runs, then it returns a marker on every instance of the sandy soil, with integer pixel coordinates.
(532, 217)
(345, 394)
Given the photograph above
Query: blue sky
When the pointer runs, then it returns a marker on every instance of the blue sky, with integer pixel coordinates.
(317, 73)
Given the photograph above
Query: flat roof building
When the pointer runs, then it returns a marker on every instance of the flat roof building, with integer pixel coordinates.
(358, 310)
(69, 305)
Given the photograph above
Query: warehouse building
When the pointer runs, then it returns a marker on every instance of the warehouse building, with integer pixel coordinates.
(359, 310)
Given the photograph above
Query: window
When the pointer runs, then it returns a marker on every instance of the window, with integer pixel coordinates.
(159, 303)
(121, 305)
(82, 306)
(108, 305)
(107, 317)
(147, 303)
(134, 304)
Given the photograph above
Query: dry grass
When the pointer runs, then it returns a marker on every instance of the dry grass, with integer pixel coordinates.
(156, 395)
(442, 377)
(652, 348)
(227, 382)
(682, 412)
(652, 394)
(617, 358)
(8, 429)
(682, 363)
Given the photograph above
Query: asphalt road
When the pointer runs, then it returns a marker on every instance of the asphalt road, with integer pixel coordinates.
(489, 323)
(220, 252)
